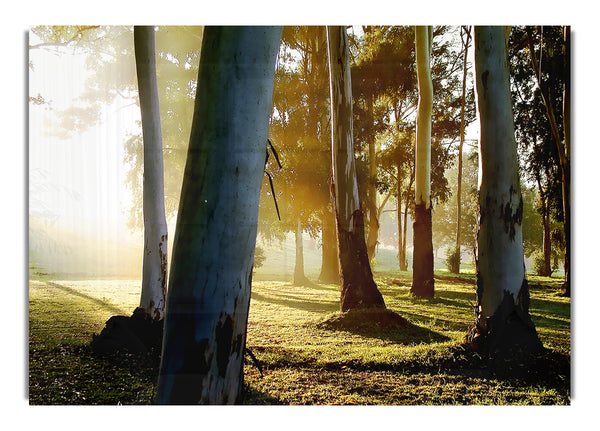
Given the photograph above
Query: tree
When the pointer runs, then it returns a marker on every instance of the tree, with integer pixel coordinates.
(423, 284)
(467, 31)
(154, 267)
(503, 327)
(358, 287)
(211, 270)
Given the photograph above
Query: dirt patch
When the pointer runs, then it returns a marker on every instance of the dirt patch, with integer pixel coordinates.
(367, 319)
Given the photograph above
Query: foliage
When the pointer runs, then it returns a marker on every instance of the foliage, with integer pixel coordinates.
(301, 363)
(259, 257)
(453, 259)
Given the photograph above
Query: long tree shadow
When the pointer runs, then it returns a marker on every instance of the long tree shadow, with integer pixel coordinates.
(106, 305)
(314, 306)
(383, 324)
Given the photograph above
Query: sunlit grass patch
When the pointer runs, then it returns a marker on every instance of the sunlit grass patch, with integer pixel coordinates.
(302, 361)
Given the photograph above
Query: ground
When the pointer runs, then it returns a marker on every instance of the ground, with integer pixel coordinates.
(305, 355)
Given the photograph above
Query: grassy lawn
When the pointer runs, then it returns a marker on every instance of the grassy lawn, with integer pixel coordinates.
(302, 361)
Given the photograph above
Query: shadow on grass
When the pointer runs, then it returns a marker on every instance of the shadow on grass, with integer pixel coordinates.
(304, 304)
(383, 324)
(106, 305)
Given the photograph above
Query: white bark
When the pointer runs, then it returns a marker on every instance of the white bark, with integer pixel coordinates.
(154, 269)
(423, 36)
(500, 236)
(342, 151)
(213, 252)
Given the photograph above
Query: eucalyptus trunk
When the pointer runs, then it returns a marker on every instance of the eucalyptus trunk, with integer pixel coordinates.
(358, 287)
(373, 227)
(213, 251)
(154, 268)
(423, 282)
(456, 268)
(503, 326)
(299, 277)
(330, 265)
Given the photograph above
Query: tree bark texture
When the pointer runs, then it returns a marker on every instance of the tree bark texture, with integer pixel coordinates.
(213, 252)
(503, 326)
(154, 268)
(423, 282)
(358, 287)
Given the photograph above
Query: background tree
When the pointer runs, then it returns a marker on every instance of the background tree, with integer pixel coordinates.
(552, 74)
(358, 287)
(154, 267)
(503, 327)
(539, 153)
(211, 272)
(423, 283)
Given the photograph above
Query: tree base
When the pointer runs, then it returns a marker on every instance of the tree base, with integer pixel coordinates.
(366, 319)
(359, 290)
(136, 334)
(423, 284)
(510, 340)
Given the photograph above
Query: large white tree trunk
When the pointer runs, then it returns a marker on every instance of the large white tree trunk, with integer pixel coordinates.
(154, 269)
(358, 287)
(502, 293)
(423, 282)
(213, 252)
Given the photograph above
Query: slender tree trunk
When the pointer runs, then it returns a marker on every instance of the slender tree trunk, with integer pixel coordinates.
(423, 282)
(503, 326)
(563, 148)
(154, 269)
(547, 241)
(373, 231)
(213, 252)
(566, 187)
(330, 266)
(358, 287)
(460, 149)
(299, 277)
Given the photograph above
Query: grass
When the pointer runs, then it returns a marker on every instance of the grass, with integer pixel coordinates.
(303, 361)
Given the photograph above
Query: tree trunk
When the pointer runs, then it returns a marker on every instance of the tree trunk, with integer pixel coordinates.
(503, 327)
(423, 283)
(401, 257)
(566, 166)
(460, 150)
(358, 287)
(373, 231)
(299, 277)
(213, 252)
(154, 269)
(547, 240)
(330, 269)
(563, 148)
